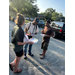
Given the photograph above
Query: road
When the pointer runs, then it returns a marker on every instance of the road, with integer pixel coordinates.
(53, 64)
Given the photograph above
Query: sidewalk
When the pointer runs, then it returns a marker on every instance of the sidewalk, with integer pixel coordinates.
(29, 66)
(33, 67)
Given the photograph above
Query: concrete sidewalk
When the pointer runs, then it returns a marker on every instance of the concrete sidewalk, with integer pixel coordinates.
(29, 66)
(33, 67)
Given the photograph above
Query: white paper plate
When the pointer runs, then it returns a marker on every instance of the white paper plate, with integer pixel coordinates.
(34, 40)
(42, 34)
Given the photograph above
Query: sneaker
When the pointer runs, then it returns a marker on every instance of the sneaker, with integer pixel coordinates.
(30, 54)
(25, 57)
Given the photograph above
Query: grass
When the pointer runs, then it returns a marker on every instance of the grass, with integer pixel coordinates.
(44, 20)
(26, 21)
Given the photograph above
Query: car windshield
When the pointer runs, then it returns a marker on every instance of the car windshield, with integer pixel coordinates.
(41, 21)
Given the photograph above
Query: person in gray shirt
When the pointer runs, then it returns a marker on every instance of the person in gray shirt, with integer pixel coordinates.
(30, 29)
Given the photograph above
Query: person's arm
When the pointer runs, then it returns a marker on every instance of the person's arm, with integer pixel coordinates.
(50, 35)
(22, 43)
(42, 31)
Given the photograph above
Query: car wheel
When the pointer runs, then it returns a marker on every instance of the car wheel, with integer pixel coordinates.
(55, 35)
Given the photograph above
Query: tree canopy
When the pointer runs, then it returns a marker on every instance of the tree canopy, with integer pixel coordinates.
(28, 8)
(51, 14)
(23, 6)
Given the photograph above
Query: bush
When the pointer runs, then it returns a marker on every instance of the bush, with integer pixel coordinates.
(26, 21)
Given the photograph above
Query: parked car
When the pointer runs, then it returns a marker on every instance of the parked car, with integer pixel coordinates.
(58, 28)
(27, 18)
(31, 19)
(41, 23)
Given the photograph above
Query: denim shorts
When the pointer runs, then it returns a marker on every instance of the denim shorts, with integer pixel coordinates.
(19, 54)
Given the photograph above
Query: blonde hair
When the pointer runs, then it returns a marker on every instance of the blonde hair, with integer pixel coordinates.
(19, 19)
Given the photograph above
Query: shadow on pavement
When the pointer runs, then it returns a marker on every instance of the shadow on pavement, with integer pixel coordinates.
(43, 69)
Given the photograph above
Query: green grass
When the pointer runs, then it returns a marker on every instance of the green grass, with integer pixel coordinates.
(26, 21)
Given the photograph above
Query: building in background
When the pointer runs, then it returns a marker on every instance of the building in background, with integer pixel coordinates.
(41, 16)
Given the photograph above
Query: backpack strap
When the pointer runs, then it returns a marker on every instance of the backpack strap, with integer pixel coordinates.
(29, 26)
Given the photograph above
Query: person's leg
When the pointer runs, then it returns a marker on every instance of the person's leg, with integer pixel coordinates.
(13, 63)
(43, 54)
(18, 57)
(30, 47)
(25, 48)
(17, 63)
(44, 47)
(44, 51)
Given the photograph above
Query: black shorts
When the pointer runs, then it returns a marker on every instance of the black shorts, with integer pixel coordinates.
(19, 54)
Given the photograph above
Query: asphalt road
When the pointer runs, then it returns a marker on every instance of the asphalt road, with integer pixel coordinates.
(53, 64)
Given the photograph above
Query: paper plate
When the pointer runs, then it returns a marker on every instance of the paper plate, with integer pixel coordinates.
(42, 34)
(34, 40)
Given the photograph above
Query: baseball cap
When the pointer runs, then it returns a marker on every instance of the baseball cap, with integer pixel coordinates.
(48, 21)
(36, 20)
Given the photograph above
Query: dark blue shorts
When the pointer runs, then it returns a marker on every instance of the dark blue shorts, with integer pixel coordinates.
(19, 54)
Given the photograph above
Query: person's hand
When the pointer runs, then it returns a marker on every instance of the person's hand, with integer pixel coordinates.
(31, 42)
(42, 31)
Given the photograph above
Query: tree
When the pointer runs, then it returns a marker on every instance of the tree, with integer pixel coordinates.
(48, 13)
(24, 7)
(55, 16)
(51, 14)
(32, 1)
(60, 15)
